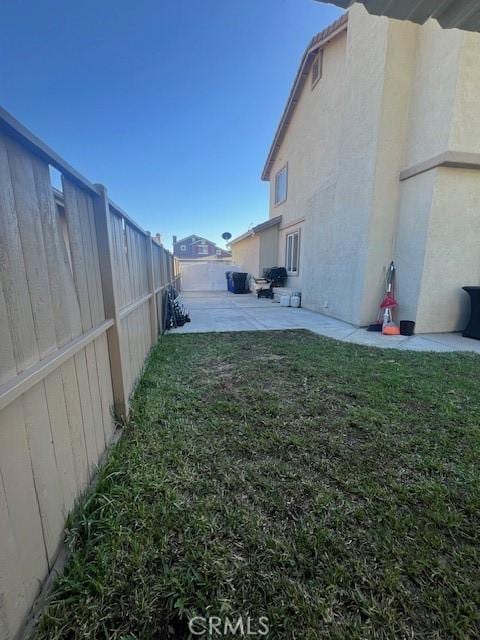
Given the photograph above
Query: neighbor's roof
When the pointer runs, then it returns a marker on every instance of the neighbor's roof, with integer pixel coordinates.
(257, 229)
(197, 239)
(461, 14)
(318, 41)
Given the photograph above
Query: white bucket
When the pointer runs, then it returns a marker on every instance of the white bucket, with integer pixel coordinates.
(284, 301)
(295, 300)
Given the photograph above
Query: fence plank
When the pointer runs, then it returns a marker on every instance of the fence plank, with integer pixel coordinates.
(109, 261)
(22, 499)
(82, 207)
(127, 353)
(42, 456)
(66, 311)
(90, 255)
(75, 236)
(7, 360)
(95, 396)
(57, 410)
(31, 236)
(87, 411)
(75, 423)
(151, 289)
(12, 593)
(105, 384)
(100, 309)
(132, 266)
(119, 258)
(13, 274)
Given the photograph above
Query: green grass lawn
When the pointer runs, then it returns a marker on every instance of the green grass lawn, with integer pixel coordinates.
(331, 488)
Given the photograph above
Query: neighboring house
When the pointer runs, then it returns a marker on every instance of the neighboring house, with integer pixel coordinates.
(197, 248)
(377, 157)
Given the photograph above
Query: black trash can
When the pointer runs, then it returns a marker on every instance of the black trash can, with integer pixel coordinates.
(239, 282)
(407, 327)
(473, 328)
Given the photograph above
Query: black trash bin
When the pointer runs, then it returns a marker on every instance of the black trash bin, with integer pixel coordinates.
(238, 282)
(473, 328)
(407, 327)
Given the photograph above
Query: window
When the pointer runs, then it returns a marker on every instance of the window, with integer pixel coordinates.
(281, 180)
(317, 67)
(203, 249)
(292, 253)
(183, 247)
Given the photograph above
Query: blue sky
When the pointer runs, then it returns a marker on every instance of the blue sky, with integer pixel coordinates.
(172, 104)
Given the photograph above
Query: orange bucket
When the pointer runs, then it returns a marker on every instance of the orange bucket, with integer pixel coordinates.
(391, 330)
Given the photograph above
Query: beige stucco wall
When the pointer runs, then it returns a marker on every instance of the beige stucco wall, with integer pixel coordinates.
(412, 233)
(246, 253)
(434, 87)
(393, 95)
(310, 147)
(345, 148)
(268, 248)
(452, 254)
(439, 238)
(465, 131)
(389, 157)
(257, 251)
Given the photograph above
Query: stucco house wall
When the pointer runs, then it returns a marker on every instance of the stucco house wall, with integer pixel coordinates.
(398, 46)
(452, 253)
(434, 81)
(310, 147)
(246, 254)
(438, 233)
(465, 130)
(268, 249)
(393, 98)
(344, 147)
(411, 239)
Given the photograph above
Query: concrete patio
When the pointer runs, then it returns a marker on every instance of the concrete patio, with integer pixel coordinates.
(224, 311)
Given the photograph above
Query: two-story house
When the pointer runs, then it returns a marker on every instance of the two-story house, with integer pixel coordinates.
(377, 157)
(197, 248)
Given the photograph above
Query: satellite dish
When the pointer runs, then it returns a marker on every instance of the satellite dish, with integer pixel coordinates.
(226, 235)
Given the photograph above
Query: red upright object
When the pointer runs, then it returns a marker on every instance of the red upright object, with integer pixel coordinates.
(388, 302)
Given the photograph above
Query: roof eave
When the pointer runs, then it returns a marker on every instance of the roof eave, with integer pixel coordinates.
(272, 222)
(450, 14)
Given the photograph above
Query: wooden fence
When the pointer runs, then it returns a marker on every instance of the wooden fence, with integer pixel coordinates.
(81, 304)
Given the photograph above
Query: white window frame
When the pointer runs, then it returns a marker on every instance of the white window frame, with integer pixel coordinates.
(202, 250)
(278, 199)
(183, 247)
(318, 64)
(292, 260)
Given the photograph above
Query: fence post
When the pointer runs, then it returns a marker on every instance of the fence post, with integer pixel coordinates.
(110, 299)
(151, 289)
